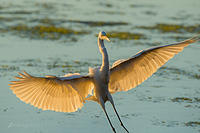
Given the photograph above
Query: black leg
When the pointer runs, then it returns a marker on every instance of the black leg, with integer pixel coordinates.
(109, 121)
(119, 118)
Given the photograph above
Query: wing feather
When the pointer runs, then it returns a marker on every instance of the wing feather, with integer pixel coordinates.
(129, 73)
(46, 98)
(53, 93)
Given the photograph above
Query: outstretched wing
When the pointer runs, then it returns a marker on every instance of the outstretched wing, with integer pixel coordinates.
(129, 73)
(52, 93)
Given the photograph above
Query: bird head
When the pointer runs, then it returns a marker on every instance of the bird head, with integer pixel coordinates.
(103, 36)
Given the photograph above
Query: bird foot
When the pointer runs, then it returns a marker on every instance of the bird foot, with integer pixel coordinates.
(124, 127)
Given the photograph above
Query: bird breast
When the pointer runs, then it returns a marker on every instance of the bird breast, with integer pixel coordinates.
(101, 81)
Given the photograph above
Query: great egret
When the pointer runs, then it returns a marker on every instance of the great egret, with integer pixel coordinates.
(68, 93)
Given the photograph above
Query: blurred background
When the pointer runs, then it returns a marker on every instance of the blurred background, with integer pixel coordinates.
(55, 37)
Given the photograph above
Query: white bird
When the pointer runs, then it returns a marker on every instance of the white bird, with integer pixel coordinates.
(69, 93)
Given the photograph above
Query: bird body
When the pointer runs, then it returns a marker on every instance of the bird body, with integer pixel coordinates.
(100, 90)
(69, 93)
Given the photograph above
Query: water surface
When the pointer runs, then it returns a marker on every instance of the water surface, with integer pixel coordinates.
(58, 37)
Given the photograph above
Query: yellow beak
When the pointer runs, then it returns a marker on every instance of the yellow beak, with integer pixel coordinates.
(107, 38)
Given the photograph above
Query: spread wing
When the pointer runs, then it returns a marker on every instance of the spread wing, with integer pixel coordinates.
(129, 73)
(65, 94)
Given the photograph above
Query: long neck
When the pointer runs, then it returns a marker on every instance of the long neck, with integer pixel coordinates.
(103, 51)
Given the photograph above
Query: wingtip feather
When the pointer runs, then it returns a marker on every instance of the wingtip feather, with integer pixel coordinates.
(194, 39)
(26, 74)
(14, 82)
(20, 78)
(23, 76)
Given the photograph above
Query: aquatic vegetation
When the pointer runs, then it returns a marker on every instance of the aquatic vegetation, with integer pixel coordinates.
(158, 122)
(157, 86)
(125, 116)
(9, 19)
(126, 35)
(166, 123)
(112, 12)
(23, 12)
(106, 4)
(186, 99)
(179, 71)
(141, 6)
(46, 29)
(8, 68)
(150, 13)
(46, 21)
(44, 32)
(56, 64)
(152, 99)
(5, 109)
(50, 21)
(197, 99)
(64, 64)
(98, 23)
(48, 6)
(192, 123)
(188, 106)
(196, 76)
(174, 28)
(181, 99)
